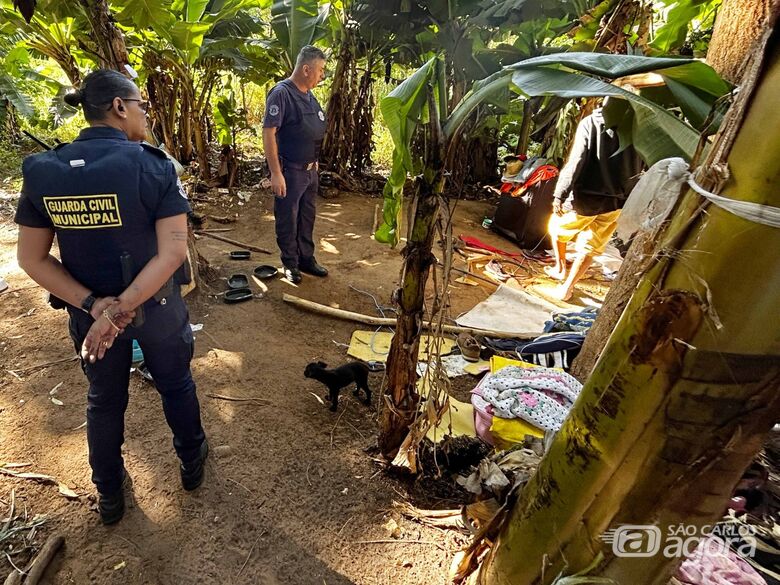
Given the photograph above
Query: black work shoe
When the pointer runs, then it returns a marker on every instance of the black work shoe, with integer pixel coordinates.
(112, 507)
(293, 275)
(192, 473)
(311, 267)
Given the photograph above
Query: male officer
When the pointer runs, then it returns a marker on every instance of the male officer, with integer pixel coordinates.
(106, 196)
(293, 129)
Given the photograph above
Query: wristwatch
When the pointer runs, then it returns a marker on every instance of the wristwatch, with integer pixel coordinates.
(87, 303)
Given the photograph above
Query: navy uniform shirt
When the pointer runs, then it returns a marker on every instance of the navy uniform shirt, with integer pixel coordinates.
(102, 195)
(300, 122)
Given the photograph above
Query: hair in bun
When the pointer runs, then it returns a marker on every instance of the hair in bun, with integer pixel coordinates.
(74, 98)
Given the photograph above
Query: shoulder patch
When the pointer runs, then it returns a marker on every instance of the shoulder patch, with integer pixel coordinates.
(154, 150)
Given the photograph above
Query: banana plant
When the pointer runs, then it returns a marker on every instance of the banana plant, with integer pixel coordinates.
(655, 132)
(297, 23)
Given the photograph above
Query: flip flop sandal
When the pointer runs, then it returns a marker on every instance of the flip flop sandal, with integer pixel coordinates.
(237, 295)
(240, 255)
(469, 347)
(143, 371)
(238, 281)
(265, 271)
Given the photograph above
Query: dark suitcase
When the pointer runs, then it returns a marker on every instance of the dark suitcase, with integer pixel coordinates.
(524, 219)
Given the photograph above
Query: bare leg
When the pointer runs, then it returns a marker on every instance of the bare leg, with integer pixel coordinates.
(558, 272)
(578, 270)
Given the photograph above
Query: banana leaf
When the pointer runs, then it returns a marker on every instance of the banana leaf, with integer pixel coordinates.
(297, 23)
(602, 64)
(657, 134)
(401, 110)
(10, 91)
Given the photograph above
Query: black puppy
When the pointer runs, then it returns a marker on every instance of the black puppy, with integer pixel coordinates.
(339, 378)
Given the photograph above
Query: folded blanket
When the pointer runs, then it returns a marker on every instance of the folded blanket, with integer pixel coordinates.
(540, 396)
(712, 563)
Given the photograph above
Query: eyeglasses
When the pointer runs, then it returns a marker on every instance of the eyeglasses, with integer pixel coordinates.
(143, 104)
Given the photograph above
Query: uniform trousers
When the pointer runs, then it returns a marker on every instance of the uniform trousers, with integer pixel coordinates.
(295, 213)
(167, 344)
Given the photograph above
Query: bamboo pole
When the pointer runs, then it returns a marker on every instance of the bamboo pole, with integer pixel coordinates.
(380, 321)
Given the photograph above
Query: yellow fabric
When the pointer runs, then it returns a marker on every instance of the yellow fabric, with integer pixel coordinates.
(592, 232)
(459, 416)
(375, 346)
(477, 368)
(511, 431)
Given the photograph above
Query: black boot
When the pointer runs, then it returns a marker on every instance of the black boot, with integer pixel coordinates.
(112, 506)
(293, 275)
(192, 473)
(310, 266)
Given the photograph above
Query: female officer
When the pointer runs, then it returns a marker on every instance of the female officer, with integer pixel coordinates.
(104, 196)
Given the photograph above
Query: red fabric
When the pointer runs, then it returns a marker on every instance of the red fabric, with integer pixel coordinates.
(543, 173)
(477, 243)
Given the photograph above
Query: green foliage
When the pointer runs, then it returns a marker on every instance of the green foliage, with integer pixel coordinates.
(297, 23)
(401, 110)
(682, 13)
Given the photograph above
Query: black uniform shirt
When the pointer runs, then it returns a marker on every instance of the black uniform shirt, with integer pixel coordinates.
(299, 119)
(102, 195)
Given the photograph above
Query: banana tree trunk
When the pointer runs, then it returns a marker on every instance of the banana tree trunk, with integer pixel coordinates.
(109, 39)
(684, 393)
(637, 261)
(400, 394)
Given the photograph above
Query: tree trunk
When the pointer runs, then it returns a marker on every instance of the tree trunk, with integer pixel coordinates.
(525, 128)
(685, 391)
(109, 39)
(740, 23)
(637, 261)
(399, 408)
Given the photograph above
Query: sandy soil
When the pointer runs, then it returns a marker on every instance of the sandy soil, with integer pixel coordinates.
(289, 493)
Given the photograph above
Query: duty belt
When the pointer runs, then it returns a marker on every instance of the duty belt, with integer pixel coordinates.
(299, 165)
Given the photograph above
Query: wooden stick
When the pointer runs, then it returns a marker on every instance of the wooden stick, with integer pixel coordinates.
(43, 559)
(215, 230)
(41, 366)
(234, 242)
(369, 320)
(238, 398)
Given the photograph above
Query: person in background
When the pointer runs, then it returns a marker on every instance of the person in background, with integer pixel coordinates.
(293, 129)
(115, 206)
(591, 190)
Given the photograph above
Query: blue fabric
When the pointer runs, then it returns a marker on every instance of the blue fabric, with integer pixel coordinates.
(102, 195)
(300, 121)
(295, 214)
(580, 321)
(168, 359)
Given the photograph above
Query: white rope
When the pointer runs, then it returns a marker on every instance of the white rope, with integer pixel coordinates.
(755, 212)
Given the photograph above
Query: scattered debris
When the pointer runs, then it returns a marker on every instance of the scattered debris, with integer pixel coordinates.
(392, 528)
(8, 469)
(119, 566)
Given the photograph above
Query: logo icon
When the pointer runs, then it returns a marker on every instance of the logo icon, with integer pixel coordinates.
(633, 540)
(273, 110)
(321, 115)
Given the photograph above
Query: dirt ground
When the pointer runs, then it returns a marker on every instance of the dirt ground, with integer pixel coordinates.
(290, 491)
